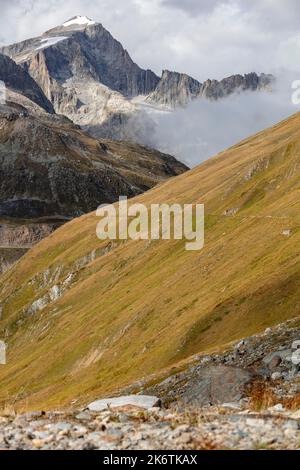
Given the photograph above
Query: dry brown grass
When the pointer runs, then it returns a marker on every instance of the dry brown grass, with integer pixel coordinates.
(292, 403)
(262, 397)
(8, 410)
(204, 443)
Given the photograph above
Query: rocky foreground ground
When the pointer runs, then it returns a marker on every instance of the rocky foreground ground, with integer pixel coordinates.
(245, 398)
(206, 429)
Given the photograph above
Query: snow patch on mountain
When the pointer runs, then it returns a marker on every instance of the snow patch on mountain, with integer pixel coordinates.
(47, 42)
(79, 20)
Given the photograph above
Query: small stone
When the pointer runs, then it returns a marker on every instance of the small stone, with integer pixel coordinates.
(38, 443)
(231, 406)
(291, 424)
(277, 408)
(290, 433)
(287, 233)
(275, 362)
(296, 415)
(276, 376)
(83, 416)
(296, 345)
(185, 438)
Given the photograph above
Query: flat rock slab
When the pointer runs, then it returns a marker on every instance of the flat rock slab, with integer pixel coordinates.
(284, 355)
(217, 384)
(138, 401)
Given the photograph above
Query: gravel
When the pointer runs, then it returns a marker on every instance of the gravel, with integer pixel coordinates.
(207, 428)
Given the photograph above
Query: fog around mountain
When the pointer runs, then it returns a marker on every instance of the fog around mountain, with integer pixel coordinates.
(205, 127)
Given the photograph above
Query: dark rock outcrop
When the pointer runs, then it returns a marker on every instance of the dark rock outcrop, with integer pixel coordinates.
(214, 89)
(216, 384)
(18, 80)
(49, 167)
(175, 89)
(18, 236)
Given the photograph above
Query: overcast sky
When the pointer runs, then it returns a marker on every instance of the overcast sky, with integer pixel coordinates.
(204, 38)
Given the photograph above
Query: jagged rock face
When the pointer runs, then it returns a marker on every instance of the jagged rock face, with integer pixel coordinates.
(214, 89)
(86, 74)
(48, 167)
(87, 51)
(175, 89)
(19, 81)
(21, 235)
(94, 52)
(18, 236)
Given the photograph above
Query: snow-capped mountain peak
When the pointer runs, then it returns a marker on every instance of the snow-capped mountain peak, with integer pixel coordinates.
(79, 20)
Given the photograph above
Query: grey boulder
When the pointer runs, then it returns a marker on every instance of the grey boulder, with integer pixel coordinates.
(139, 401)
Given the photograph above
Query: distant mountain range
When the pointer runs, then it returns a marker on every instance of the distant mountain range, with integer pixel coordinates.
(89, 77)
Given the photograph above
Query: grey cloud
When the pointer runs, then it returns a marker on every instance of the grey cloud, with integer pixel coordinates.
(270, 14)
(249, 36)
(193, 6)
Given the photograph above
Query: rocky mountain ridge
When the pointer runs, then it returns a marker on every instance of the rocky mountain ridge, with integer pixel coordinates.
(174, 89)
(86, 74)
(89, 77)
(177, 90)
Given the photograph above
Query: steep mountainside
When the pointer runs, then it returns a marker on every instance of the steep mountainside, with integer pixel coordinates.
(50, 169)
(85, 73)
(84, 49)
(89, 317)
(19, 81)
(177, 90)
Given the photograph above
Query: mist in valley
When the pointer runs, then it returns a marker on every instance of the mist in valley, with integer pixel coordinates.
(204, 127)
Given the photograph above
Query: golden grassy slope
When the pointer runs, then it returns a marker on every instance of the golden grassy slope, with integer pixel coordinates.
(140, 307)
